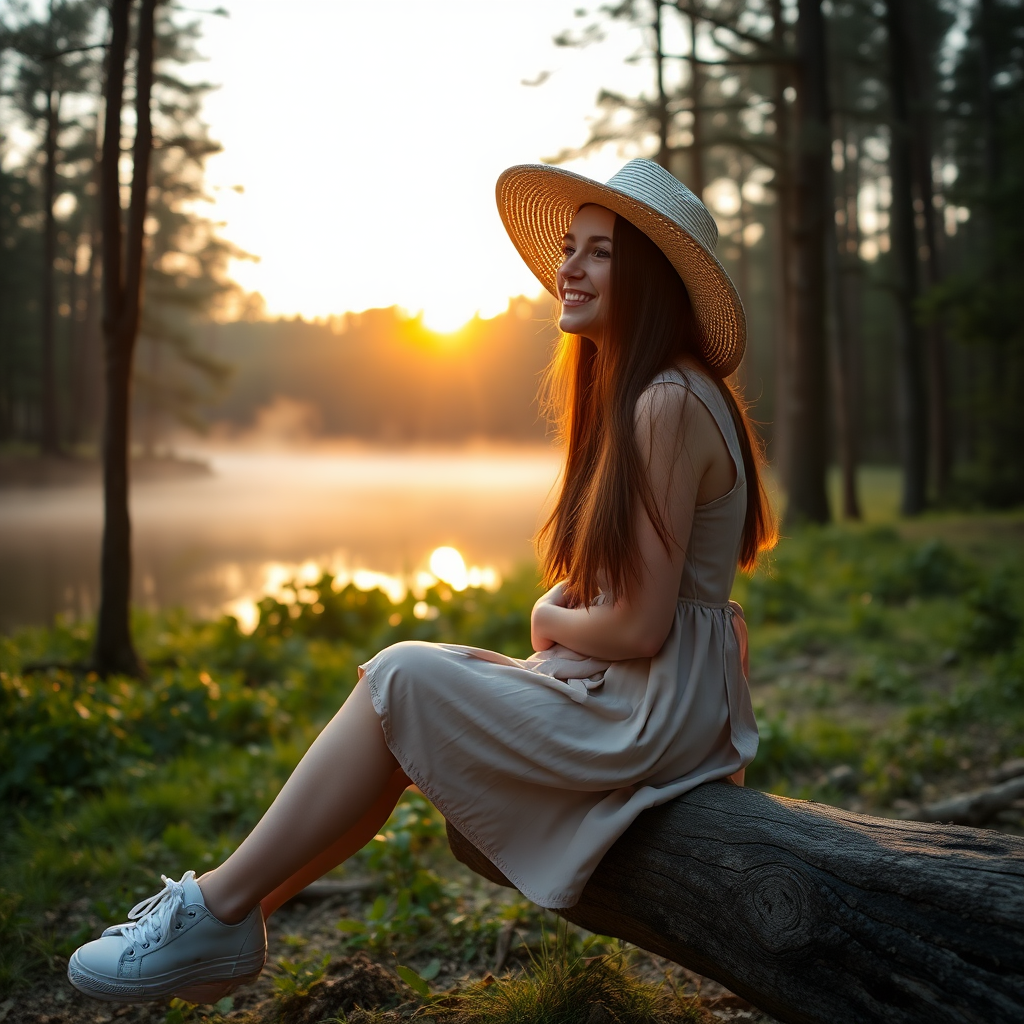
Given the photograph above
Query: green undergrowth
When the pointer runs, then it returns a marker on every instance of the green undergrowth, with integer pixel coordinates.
(887, 665)
(569, 979)
(883, 664)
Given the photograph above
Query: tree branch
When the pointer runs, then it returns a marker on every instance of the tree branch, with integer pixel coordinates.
(64, 53)
(703, 15)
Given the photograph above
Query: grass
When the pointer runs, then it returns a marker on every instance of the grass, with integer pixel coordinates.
(887, 669)
(563, 985)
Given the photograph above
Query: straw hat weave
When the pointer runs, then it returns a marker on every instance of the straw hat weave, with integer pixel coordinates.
(538, 202)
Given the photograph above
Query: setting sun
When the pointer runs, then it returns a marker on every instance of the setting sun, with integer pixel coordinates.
(442, 319)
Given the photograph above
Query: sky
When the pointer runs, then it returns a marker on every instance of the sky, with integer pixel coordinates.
(367, 138)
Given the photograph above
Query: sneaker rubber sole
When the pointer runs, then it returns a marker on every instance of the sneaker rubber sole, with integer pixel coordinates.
(196, 983)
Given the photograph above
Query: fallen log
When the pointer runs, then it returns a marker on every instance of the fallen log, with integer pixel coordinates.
(814, 914)
(975, 808)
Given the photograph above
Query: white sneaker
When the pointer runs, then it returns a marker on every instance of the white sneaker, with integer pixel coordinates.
(171, 946)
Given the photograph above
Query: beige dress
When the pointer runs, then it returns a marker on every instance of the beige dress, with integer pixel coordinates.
(542, 764)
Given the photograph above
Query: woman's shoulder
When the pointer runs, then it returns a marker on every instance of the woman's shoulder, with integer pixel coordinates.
(686, 375)
(667, 403)
(670, 389)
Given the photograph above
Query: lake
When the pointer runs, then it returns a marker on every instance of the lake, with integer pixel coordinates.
(217, 543)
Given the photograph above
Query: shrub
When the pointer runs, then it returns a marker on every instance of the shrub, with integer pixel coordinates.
(929, 570)
(992, 621)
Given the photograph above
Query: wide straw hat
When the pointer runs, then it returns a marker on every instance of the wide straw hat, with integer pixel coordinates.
(537, 203)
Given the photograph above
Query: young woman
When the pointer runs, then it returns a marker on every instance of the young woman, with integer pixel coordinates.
(636, 692)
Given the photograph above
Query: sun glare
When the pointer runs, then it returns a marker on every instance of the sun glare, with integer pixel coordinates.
(291, 584)
(448, 565)
(442, 319)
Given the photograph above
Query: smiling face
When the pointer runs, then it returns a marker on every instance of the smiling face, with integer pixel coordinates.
(585, 277)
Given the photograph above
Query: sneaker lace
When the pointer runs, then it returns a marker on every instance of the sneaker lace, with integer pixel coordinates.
(150, 920)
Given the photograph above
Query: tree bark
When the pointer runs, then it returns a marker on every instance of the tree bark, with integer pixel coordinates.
(50, 435)
(697, 127)
(851, 284)
(807, 433)
(76, 363)
(913, 403)
(122, 283)
(839, 347)
(986, 28)
(814, 914)
(91, 383)
(664, 118)
(782, 265)
(841, 336)
(918, 61)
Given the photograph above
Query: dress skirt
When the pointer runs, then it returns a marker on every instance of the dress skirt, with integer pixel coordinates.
(543, 763)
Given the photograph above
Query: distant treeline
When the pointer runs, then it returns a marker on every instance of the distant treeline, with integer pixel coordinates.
(383, 376)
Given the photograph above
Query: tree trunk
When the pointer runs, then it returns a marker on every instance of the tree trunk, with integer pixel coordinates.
(782, 264)
(814, 914)
(664, 117)
(807, 433)
(122, 282)
(76, 360)
(743, 277)
(913, 407)
(851, 285)
(840, 328)
(921, 103)
(91, 384)
(986, 28)
(50, 434)
(839, 348)
(697, 127)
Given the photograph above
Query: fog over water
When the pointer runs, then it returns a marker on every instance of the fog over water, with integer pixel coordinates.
(219, 541)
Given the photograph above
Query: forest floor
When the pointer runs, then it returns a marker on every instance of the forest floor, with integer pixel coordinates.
(887, 673)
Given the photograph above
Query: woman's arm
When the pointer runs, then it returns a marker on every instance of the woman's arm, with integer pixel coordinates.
(680, 442)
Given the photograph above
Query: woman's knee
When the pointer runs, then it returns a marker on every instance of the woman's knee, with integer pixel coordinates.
(407, 660)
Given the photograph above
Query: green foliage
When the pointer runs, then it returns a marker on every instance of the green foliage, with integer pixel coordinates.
(78, 732)
(879, 666)
(413, 894)
(836, 563)
(294, 977)
(884, 663)
(419, 983)
(931, 569)
(993, 621)
(774, 597)
(367, 619)
(211, 684)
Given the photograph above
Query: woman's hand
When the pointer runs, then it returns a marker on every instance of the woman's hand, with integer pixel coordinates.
(554, 598)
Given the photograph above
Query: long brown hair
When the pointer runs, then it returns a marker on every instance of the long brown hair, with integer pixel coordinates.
(589, 539)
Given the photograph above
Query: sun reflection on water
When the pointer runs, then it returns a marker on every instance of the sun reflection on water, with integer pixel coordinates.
(290, 583)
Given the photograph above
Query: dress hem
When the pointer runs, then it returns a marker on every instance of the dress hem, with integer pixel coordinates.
(450, 815)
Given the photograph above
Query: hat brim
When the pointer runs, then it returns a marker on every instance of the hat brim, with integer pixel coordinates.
(537, 203)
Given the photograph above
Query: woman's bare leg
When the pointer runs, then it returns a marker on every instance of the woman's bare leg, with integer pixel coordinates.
(341, 778)
(344, 847)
